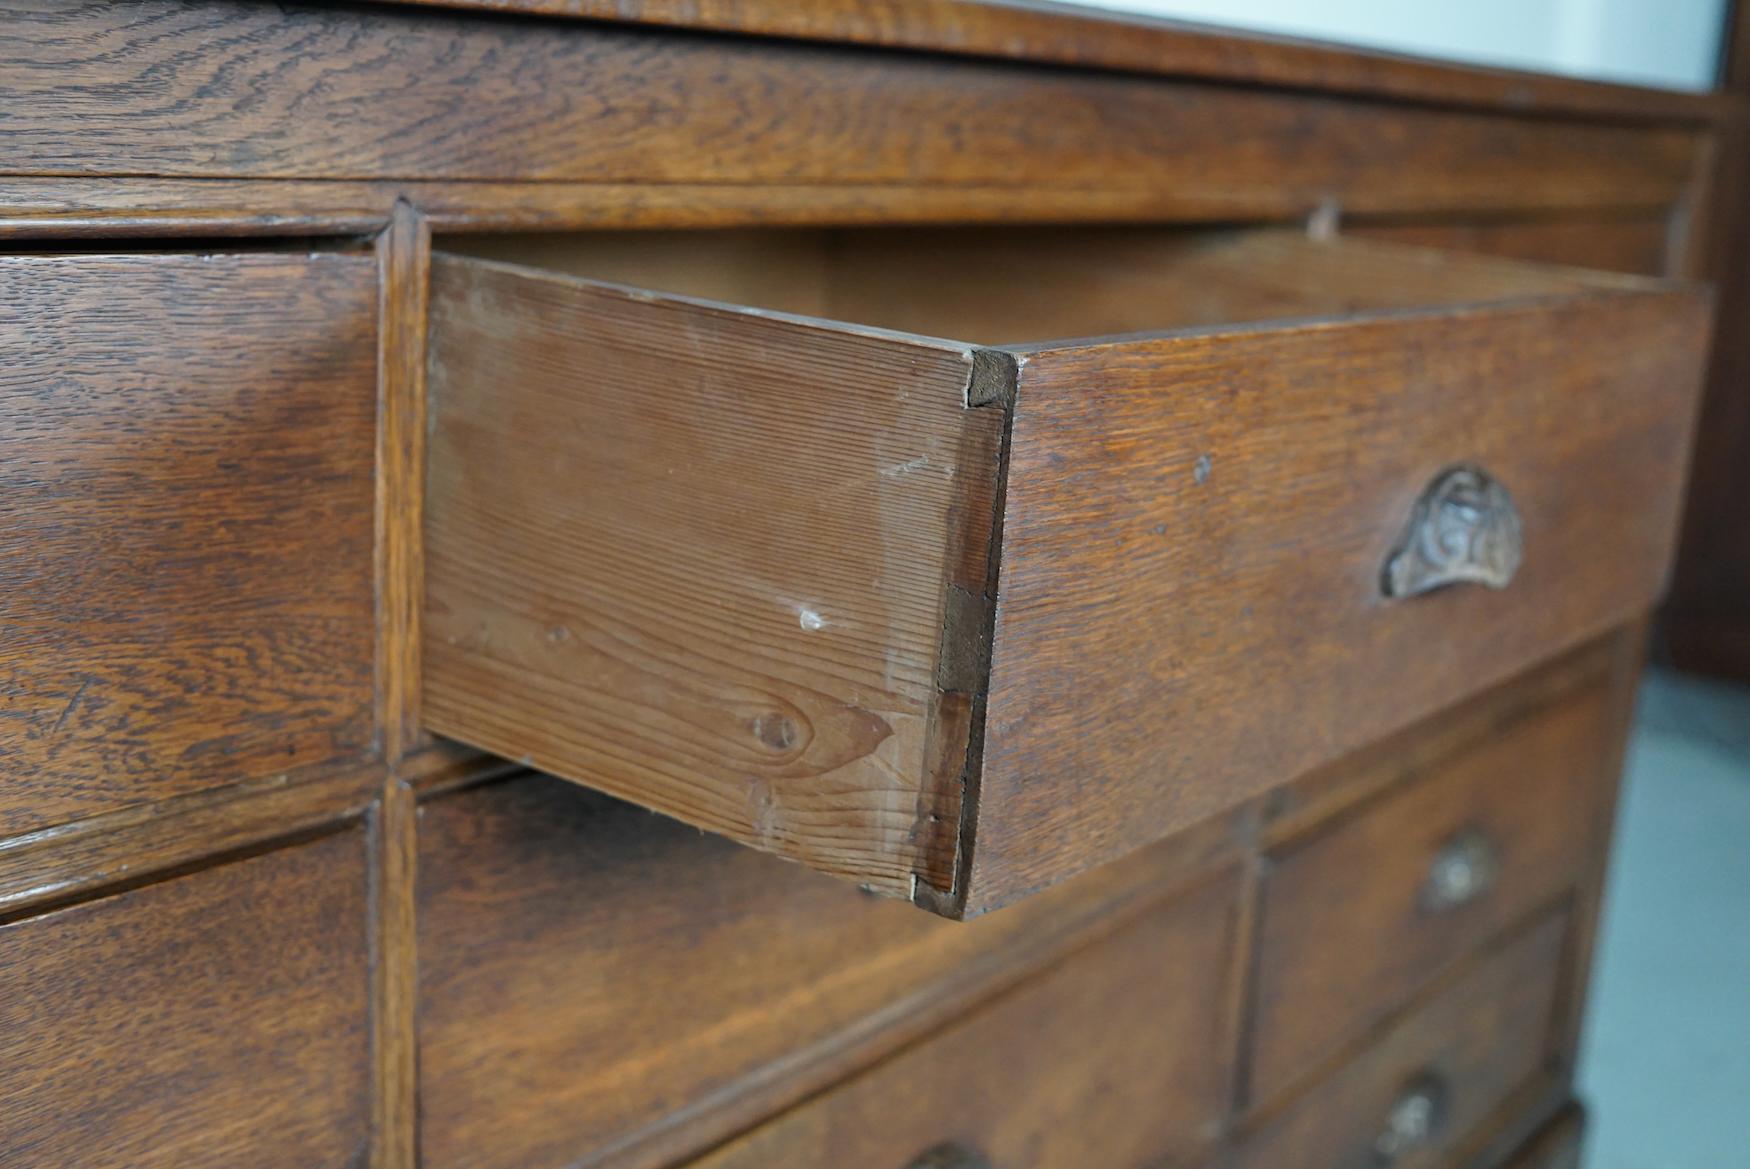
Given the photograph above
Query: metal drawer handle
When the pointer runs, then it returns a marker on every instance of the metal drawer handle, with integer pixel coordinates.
(950, 1155)
(1464, 869)
(1465, 528)
(1415, 1119)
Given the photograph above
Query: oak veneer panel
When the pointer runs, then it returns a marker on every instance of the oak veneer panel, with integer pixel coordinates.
(185, 538)
(288, 91)
(1485, 1034)
(1066, 35)
(1116, 1057)
(217, 1019)
(601, 986)
(1189, 608)
(1345, 937)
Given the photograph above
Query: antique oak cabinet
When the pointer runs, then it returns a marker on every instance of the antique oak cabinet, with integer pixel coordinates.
(874, 584)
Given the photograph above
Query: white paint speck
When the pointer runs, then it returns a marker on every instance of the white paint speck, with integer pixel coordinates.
(809, 619)
(906, 467)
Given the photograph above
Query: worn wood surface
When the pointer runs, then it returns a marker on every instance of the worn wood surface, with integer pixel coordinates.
(1483, 1036)
(1114, 1057)
(185, 552)
(528, 100)
(1065, 35)
(1346, 937)
(212, 1020)
(600, 986)
(1640, 244)
(699, 558)
(1189, 604)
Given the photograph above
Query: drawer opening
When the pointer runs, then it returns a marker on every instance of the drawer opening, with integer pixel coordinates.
(817, 540)
(1019, 286)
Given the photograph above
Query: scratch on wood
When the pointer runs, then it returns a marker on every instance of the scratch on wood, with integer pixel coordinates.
(72, 702)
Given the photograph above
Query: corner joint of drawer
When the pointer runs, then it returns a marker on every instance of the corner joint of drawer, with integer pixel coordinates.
(963, 660)
(993, 378)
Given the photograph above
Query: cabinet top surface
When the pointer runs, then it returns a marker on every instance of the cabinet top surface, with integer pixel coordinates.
(1061, 34)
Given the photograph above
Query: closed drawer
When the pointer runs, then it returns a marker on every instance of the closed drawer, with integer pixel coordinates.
(1358, 917)
(599, 984)
(1432, 1080)
(216, 1019)
(186, 494)
(957, 621)
(1115, 1058)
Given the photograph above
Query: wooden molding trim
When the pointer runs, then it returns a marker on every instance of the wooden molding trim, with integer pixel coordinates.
(1063, 35)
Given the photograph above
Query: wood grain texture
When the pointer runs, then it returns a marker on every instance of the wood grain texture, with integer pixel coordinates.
(185, 550)
(404, 261)
(1483, 1036)
(241, 90)
(131, 844)
(394, 1010)
(217, 1019)
(1640, 244)
(1114, 1057)
(1065, 35)
(1228, 619)
(701, 558)
(601, 986)
(1345, 937)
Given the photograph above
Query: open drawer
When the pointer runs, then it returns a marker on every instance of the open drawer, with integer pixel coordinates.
(959, 619)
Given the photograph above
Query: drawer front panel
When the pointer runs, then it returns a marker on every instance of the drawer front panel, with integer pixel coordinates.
(1114, 1058)
(185, 550)
(587, 970)
(1191, 604)
(1433, 1078)
(217, 1019)
(1357, 918)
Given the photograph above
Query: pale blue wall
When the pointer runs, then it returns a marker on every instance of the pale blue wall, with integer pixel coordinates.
(1670, 43)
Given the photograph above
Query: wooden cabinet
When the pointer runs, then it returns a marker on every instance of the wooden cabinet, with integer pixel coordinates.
(687, 400)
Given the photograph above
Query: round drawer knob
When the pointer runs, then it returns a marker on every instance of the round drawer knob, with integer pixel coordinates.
(1415, 1119)
(950, 1155)
(1463, 870)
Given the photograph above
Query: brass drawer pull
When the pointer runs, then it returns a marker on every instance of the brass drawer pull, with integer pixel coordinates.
(950, 1155)
(1415, 1119)
(1465, 528)
(1464, 869)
